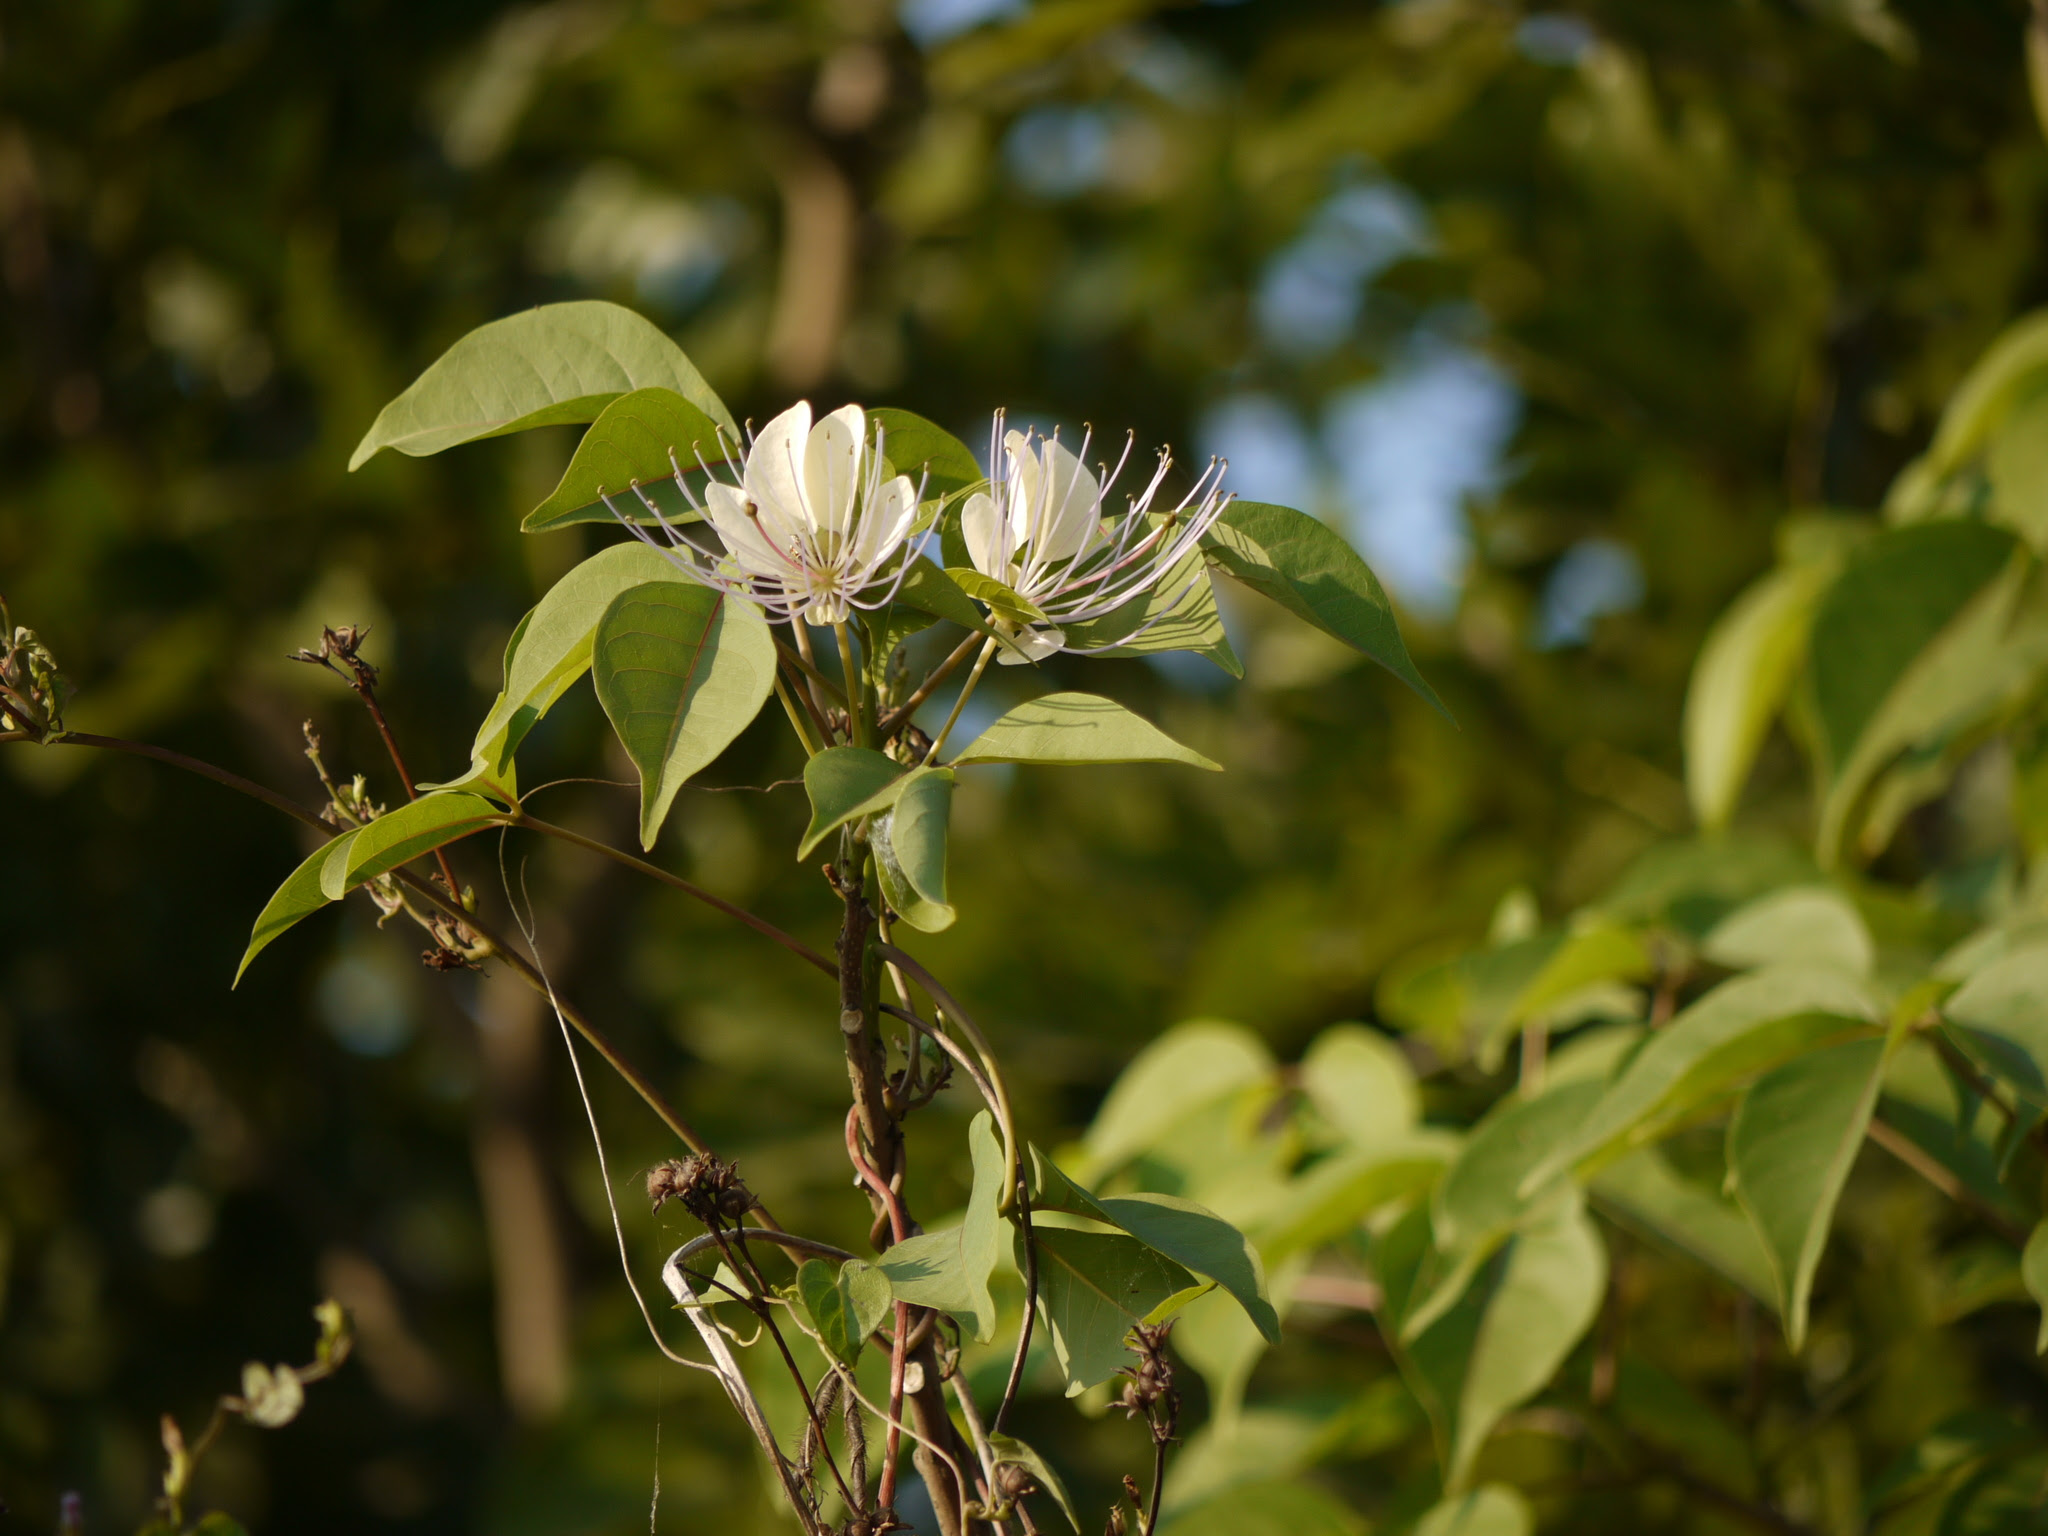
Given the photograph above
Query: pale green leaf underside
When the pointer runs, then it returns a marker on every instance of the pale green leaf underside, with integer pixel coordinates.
(1092, 1286)
(1077, 728)
(909, 842)
(560, 363)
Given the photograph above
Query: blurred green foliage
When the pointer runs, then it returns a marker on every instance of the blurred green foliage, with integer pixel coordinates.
(1721, 262)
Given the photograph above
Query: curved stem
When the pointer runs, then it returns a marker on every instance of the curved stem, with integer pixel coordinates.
(786, 1241)
(799, 720)
(809, 669)
(988, 649)
(205, 770)
(856, 695)
(953, 1010)
(760, 925)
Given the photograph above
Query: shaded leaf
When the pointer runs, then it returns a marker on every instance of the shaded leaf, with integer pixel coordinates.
(1003, 602)
(1336, 1194)
(1267, 1508)
(554, 364)
(302, 894)
(1092, 1286)
(1177, 613)
(1961, 1441)
(922, 449)
(1647, 1193)
(1199, 1240)
(1077, 728)
(847, 1303)
(2034, 1270)
(928, 589)
(1790, 1147)
(1492, 1509)
(1660, 1410)
(642, 436)
(1008, 1449)
(1482, 1196)
(845, 783)
(2000, 1018)
(400, 836)
(1305, 567)
(680, 670)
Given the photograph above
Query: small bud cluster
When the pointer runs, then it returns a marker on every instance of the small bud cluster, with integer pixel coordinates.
(1148, 1385)
(707, 1187)
(32, 691)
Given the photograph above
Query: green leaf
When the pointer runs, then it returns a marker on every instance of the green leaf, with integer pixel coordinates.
(949, 1270)
(1002, 602)
(931, 590)
(1199, 1240)
(1008, 1449)
(916, 447)
(1492, 1509)
(1960, 1442)
(681, 670)
(1592, 952)
(1266, 1508)
(2000, 1019)
(555, 364)
(400, 836)
(1645, 1192)
(1813, 923)
(549, 651)
(1303, 565)
(2016, 462)
(909, 841)
(1791, 1144)
(1744, 671)
(1077, 728)
(2011, 367)
(845, 783)
(1092, 1286)
(1335, 1195)
(642, 436)
(2003, 1499)
(1894, 596)
(1744, 1026)
(1177, 613)
(1482, 1197)
(2034, 1271)
(1190, 1066)
(1548, 1296)
(216, 1523)
(302, 894)
(1362, 1084)
(847, 1303)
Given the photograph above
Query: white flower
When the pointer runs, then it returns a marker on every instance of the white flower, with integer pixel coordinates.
(1042, 531)
(810, 526)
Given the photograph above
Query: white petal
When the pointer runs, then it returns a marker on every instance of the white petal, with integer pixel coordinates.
(772, 475)
(1070, 523)
(727, 509)
(832, 456)
(979, 525)
(885, 522)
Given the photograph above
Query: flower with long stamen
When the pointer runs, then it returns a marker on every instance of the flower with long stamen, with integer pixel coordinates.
(1042, 529)
(812, 525)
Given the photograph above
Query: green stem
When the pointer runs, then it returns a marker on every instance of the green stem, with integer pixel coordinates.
(988, 649)
(799, 722)
(856, 692)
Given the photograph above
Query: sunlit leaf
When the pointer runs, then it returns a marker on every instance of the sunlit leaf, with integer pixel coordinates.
(1790, 1147)
(644, 436)
(302, 894)
(1008, 1449)
(1304, 566)
(402, 835)
(1092, 1287)
(949, 1269)
(1265, 1508)
(557, 363)
(1077, 728)
(1492, 1509)
(923, 450)
(845, 783)
(1187, 1067)
(1362, 1084)
(1816, 924)
(549, 651)
(847, 1303)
